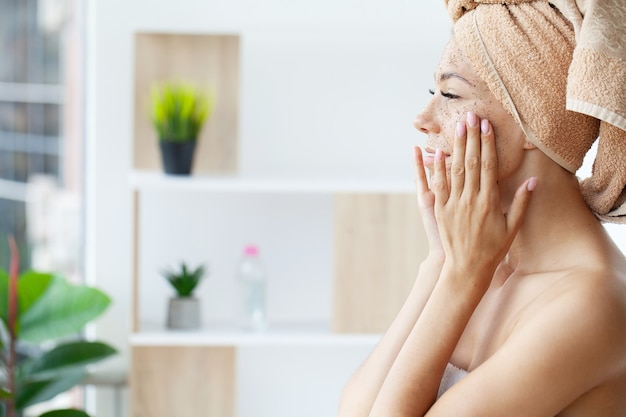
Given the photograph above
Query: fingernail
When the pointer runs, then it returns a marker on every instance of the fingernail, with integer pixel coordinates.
(417, 152)
(472, 120)
(460, 129)
(438, 155)
(532, 183)
(484, 126)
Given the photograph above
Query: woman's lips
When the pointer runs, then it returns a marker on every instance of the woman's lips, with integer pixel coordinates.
(429, 158)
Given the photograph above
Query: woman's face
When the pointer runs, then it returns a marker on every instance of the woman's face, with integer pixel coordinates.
(458, 90)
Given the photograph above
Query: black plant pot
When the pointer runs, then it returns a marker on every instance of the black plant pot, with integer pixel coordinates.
(177, 156)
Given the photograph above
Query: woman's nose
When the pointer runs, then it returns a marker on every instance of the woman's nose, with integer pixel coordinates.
(425, 122)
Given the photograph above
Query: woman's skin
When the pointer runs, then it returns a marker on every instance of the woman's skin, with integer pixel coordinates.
(522, 286)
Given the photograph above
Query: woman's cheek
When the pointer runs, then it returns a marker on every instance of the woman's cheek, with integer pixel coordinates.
(506, 156)
(452, 118)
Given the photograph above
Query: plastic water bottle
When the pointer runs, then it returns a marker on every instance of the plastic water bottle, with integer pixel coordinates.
(252, 280)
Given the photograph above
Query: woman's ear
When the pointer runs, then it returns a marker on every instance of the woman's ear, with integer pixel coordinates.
(529, 145)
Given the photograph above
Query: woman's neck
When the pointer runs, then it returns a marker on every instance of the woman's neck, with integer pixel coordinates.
(557, 217)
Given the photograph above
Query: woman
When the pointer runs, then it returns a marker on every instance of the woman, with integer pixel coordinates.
(520, 307)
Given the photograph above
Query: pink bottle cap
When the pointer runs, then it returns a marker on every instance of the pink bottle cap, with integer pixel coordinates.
(251, 250)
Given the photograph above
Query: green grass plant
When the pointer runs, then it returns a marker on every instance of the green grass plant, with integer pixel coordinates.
(179, 111)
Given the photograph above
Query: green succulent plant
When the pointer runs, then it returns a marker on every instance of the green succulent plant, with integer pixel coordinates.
(179, 111)
(185, 281)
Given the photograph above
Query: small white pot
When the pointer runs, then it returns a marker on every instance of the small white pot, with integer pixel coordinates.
(183, 313)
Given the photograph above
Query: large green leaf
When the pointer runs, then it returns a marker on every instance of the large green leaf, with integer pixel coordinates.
(32, 393)
(30, 287)
(62, 310)
(63, 358)
(65, 413)
(4, 394)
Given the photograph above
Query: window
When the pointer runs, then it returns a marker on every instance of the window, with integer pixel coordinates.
(41, 141)
(40, 133)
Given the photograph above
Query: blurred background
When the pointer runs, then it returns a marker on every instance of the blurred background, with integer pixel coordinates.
(321, 97)
(41, 125)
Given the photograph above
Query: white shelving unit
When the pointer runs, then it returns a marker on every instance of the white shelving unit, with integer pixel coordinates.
(224, 187)
(335, 261)
(312, 200)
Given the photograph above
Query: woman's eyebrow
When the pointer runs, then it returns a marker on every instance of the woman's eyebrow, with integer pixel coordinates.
(447, 75)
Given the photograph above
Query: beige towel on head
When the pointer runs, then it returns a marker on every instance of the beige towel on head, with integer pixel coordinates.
(559, 68)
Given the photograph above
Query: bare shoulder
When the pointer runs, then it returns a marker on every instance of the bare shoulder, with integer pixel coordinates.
(578, 333)
(563, 348)
(595, 299)
(565, 356)
(601, 302)
(586, 307)
(587, 321)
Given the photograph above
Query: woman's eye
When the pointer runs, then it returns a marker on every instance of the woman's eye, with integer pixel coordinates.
(449, 95)
(444, 94)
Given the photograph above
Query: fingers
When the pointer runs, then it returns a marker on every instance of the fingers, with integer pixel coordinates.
(421, 180)
(439, 180)
(472, 154)
(517, 210)
(425, 202)
(474, 164)
(457, 170)
(488, 158)
(424, 196)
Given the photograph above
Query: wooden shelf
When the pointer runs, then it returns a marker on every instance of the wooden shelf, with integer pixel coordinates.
(156, 180)
(279, 335)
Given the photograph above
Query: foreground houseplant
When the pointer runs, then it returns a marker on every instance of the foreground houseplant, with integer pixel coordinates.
(178, 114)
(41, 316)
(184, 309)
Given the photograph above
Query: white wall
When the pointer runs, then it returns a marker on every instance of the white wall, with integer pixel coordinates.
(329, 89)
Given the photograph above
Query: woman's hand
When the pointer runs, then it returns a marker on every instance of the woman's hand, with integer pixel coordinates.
(475, 233)
(426, 205)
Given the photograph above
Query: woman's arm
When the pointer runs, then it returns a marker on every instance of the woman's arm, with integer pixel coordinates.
(402, 375)
(468, 212)
(363, 387)
(411, 385)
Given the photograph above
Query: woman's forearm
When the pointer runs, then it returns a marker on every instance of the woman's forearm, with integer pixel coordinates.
(411, 385)
(362, 389)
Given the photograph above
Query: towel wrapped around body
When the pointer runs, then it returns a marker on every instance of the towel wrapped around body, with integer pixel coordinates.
(451, 375)
(559, 68)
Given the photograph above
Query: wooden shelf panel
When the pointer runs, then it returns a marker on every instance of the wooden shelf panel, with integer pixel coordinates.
(208, 61)
(182, 381)
(378, 245)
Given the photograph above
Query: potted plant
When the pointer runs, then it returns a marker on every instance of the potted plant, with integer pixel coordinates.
(178, 114)
(43, 355)
(184, 308)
